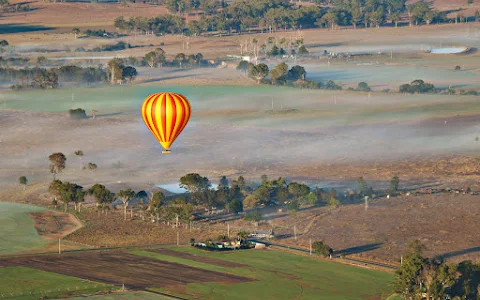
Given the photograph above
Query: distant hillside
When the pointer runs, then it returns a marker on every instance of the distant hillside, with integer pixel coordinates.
(453, 6)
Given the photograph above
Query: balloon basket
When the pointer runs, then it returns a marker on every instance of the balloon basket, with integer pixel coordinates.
(166, 151)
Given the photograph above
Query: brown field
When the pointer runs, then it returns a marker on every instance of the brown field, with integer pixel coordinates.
(119, 268)
(112, 230)
(446, 223)
(202, 259)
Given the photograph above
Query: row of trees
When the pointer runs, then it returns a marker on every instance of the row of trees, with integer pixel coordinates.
(282, 75)
(420, 277)
(243, 15)
(49, 78)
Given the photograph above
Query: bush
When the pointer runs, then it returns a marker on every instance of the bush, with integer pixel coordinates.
(3, 43)
(322, 249)
(253, 216)
(363, 87)
(417, 87)
(457, 68)
(77, 114)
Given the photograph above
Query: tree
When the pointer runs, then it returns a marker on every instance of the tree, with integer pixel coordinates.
(251, 201)
(3, 43)
(395, 18)
(223, 183)
(71, 192)
(57, 163)
(330, 18)
(258, 72)
(129, 73)
(243, 66)
(235, 206)
(92, 166)
(154, 58)
(115, 67)
(45, 79)
(75, 31)
(302, 50)
(394, 184)
(126, 196)
(102, 195)
(361, 186)
(180, 58)
(296, 73)
(253, 216)
(23, 181)
(363, 87)
(278, 75)
(407, 277)
(55, 189)
(298, 189)
(332, 198)
(293, 205)
(321, 249)
(157, 201)
(194, 183)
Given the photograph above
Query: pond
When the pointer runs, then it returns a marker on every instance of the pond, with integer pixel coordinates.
(176, 189)
(448, 50)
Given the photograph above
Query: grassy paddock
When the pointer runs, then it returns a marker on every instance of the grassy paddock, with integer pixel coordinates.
(282, 276)
(17, 228)
(24, 284)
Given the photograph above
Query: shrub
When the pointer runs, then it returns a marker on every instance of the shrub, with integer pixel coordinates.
(253, 216)
(77, 114)
(322, 249)
(363, 87)
(3, 43)
(457, 68)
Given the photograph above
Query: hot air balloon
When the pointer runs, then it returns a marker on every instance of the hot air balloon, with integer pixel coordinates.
(166, 115)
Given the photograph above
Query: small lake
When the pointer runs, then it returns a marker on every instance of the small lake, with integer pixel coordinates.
(448, 50)
(176, 189)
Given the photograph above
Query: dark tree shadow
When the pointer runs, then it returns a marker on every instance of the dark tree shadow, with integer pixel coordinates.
(166, 78)
(461, 252)
(359, 249)
(19, 28)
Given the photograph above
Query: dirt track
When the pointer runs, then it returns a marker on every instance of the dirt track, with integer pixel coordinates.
(115, 267)
(53, 225)
(207, 260)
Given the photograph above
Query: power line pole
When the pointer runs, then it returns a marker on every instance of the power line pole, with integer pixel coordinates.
(59, 247)
(310, 246)
(295, 231)
(178, 238)
(228, 229)
(176, 221)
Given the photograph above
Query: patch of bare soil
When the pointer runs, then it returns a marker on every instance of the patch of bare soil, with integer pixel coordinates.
(114, 267)
(54, 225)
(202, 259)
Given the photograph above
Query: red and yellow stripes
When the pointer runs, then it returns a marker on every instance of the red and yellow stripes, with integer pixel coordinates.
(166, 115)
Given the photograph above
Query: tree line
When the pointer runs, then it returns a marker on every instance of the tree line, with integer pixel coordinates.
(268, 15)
(419, 277)
(49, 78)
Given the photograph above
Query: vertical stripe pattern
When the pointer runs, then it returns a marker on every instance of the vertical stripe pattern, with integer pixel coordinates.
(166, 115)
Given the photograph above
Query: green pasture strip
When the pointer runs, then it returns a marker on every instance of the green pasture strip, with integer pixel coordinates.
(26, 283)
(17, 228)
(126, 296)
(282, 276)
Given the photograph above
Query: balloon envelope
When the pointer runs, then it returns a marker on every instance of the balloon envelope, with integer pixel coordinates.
(166, 115)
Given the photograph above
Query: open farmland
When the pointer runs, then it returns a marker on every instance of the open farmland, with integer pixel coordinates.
(279, 275)
(119, 268)
(446, 223)
(25, 283)
(17, 228)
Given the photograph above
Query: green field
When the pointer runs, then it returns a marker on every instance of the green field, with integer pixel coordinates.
(22, 283)
(126, 296)
(17, 231)
(281, 275)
